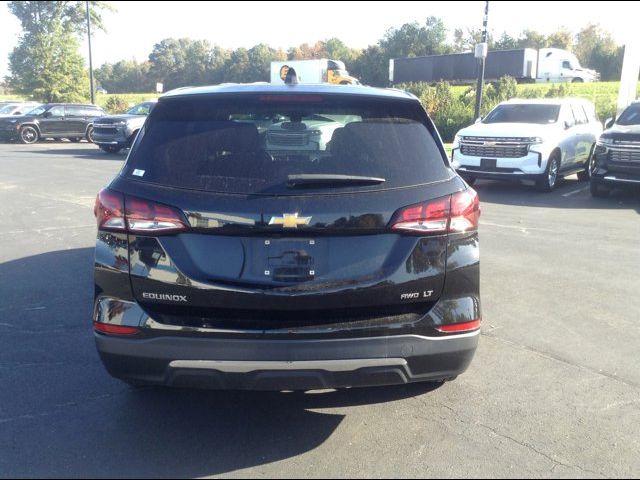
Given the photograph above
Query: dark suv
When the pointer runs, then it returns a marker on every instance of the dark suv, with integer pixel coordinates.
(115, 132)
(225, 259)
(52, 120)
(615, 161)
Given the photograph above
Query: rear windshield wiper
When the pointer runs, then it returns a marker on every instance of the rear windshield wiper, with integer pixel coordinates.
(329, 180)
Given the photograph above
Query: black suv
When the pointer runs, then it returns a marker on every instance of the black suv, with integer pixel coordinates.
(52, 120)
(226, 259)
(616, 157)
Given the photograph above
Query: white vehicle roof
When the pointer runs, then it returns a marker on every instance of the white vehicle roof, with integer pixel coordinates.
(545, 101)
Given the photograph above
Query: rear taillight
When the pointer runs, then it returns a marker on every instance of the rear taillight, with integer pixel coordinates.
(459, 327)
(116, 213)
(115, 329)
(109, 211)
(459, 212)
(465, 211)
(149, 217)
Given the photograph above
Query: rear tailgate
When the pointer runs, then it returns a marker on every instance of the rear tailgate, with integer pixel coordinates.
(263, 252)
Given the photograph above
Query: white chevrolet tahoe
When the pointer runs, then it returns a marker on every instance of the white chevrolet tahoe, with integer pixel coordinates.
(538, 141)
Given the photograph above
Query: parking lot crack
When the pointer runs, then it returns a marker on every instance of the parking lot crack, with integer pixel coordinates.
(557, 358)
(556, 463)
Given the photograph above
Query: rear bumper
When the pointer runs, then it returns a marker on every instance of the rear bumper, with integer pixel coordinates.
(262, 364)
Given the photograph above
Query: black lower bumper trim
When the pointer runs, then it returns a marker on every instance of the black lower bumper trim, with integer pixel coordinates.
(286, 365)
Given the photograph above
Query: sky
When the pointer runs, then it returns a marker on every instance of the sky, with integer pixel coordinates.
(136, 26)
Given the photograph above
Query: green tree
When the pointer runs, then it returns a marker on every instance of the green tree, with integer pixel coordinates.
(466, 40)
(46, 64)
(185, 62)
(562, 38)
(125, 76)
(414, 40)
(259, 66)
(532, 39)
(336, 49)
(372, 67)
(596, 48)
(506, 42)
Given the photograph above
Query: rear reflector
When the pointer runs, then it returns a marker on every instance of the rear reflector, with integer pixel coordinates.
(459, 212)
(115, 213)
(459, 327)
(115, 329)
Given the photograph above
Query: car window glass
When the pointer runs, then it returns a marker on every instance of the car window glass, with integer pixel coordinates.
(523, 113)
(578, 114)
(141, 109)
(251, 145)
(630, 116)
(74, 111)
(57, 111)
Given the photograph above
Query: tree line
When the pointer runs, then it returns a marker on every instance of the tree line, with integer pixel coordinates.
(46, 63)
(181, 62)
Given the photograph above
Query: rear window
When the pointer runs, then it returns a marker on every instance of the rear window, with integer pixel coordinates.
(252, 145)
(523, 113)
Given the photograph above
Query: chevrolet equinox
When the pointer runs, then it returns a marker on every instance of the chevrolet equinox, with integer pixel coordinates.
(289, 237)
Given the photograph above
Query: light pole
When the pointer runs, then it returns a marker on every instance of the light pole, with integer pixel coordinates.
(481, 54)
(90, 59)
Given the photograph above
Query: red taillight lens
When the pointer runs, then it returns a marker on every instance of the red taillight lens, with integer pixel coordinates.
(109, 211)
(459, 327)
(427, 217)
(152, 218)
(115, 329)
(459, 212)
(465, 211)
(116, 213)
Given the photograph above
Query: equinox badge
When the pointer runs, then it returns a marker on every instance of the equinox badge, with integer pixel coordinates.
(290, 220)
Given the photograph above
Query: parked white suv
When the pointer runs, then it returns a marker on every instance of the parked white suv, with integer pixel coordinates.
(538, 140)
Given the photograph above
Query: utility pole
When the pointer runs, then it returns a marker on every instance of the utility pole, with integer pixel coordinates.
(481, 55)
(90, 59)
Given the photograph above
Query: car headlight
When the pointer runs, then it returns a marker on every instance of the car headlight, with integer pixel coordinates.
(315, 132)
(13, 121)
(605, 141)
(456, 142)
(535, 140)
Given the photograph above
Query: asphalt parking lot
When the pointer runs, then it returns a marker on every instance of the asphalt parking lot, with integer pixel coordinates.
(554, 389)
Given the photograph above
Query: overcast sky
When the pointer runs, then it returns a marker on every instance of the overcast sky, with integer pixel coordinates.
(137, 26)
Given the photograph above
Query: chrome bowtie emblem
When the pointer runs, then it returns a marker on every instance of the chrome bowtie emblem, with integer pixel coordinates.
(290, 220)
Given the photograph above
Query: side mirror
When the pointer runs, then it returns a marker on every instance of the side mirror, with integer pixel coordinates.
(609, 122)
(47, 114)
(17, 113)
(478, 120)
(568, 124)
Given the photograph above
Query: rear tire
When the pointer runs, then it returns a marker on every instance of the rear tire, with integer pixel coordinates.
(577, 80)
(551, 176)
(110, 148)
(598, 190)
(584, 175)
(89, 134)
(470, 180)
(29, 135)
